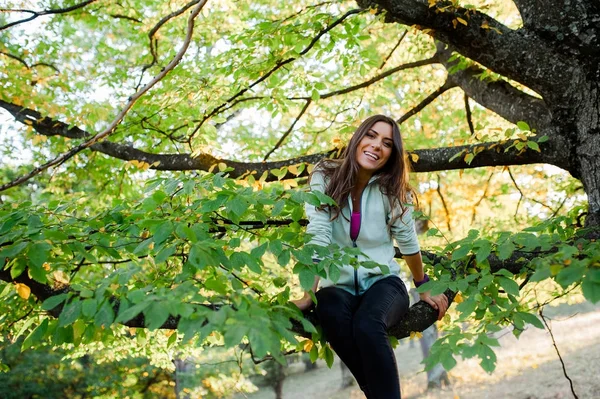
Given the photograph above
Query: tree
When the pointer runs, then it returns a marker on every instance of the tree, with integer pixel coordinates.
(198, 113)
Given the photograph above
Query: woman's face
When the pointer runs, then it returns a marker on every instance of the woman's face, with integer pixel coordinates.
(375, 148)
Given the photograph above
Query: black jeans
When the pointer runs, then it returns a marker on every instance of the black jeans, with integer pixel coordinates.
(356, 328)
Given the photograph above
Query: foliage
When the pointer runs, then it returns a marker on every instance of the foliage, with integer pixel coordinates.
(125, 235)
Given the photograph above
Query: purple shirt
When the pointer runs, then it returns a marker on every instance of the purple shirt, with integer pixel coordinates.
(354, 225)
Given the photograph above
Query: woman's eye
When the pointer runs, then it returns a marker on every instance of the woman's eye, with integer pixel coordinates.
(370, 135)
(388, 145)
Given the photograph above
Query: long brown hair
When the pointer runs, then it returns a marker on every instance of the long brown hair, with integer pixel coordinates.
(342, 173)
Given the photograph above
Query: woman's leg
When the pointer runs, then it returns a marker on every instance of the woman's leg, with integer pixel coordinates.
(335, 309)
(382, 305)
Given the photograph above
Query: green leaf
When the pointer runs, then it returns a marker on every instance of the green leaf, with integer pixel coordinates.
(35, 336)
(54, 301)
(131, 312)
(105, 315)
(461, 252)
(165, 253)
(89, 307)
(70, 313)
(328, 356)
(571, 274)
(38, 253)
(483, 251)
(523, 126)
(533, 145)
(163, 231)
(531, 319)
(505, 250)
(307, 278)
(234, 334)
(591, 286)
(13, 250)
(155, 315)
(447, 359)
(509, 285)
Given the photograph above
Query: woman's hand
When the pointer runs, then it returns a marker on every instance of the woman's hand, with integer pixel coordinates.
(438, 302)
(303, 303)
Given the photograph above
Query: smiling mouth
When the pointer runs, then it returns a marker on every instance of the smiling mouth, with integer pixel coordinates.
(371, 155)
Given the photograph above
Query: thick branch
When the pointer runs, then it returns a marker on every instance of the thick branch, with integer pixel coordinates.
(429, 160)
(498, 96)
(419, 317)
(514, 54)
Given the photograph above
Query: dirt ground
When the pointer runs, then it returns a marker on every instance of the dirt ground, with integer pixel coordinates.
(527, 368)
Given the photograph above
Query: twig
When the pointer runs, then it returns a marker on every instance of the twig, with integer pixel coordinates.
(394, 49)
(439, 191)
(558, 353)
(154, 41)
(276, 67)
(487, 185)
(111, 128)
(441, 90)
(35, 14)
(284, 136)
(469, 115)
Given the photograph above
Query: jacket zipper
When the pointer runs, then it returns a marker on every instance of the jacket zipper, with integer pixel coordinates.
(356, 246)
(355, 271)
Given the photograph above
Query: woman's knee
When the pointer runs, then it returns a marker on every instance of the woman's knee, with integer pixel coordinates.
(368, 328)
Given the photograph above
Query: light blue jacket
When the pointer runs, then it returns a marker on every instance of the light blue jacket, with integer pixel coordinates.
(373, 240)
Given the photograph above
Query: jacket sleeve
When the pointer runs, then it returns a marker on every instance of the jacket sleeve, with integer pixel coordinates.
(403, 231)
(319, 223)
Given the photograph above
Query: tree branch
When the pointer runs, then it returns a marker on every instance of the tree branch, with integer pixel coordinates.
(111, 128)
(276, 67)
(428, 100)
(284, 136)
(430, 160)
(499, 96)
(510, 53)
(35, 14)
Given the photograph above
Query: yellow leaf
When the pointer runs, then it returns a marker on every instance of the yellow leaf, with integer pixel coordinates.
(132, 330)
(37, 139)
(60, 277)
(416, 334)
(414, 157)
(222, 166)
(373, 11)
(554, 269)
(151, 246)
(485, 25)
(307, 345)
(567, 262)
(168, 333)
(212, 167)
(294, 170)
(23, 290)
(462, 21)
(458, 298)
(454, 23)
(46, 266)
(140, 164)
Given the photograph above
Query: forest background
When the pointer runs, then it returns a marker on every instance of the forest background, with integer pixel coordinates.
(155, 158)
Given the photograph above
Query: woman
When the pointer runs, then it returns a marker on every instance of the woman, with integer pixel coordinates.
(370, 187)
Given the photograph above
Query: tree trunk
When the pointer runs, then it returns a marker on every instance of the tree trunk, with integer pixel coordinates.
(182, 370)
(347, 378)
